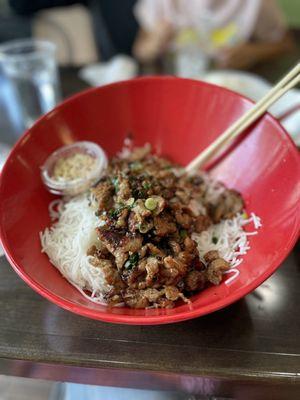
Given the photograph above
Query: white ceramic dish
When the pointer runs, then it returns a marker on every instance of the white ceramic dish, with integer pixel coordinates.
(255, 87)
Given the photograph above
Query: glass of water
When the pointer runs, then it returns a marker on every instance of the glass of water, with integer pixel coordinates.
(30, 66)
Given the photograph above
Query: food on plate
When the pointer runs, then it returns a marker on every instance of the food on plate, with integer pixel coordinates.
(146, 235)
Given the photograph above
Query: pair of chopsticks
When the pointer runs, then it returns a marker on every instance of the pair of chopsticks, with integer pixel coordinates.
(288, 82)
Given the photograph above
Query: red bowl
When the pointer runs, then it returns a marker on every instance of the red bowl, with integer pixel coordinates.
(179, 118)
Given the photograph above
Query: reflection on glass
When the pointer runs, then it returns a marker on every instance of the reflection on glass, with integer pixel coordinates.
(31, 68)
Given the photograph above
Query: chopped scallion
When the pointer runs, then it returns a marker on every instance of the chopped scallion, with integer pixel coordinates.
(151, 203)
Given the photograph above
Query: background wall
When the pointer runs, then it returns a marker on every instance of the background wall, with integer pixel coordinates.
(292, 10)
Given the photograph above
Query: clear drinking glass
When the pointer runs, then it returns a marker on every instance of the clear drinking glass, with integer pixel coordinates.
(31, 68)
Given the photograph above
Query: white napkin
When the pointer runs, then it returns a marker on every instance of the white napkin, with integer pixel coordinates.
(119, 68)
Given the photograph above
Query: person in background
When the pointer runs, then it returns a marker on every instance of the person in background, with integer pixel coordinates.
(114, 24)
(234, 33)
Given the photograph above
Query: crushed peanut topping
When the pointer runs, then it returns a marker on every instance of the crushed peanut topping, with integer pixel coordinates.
(75, 166)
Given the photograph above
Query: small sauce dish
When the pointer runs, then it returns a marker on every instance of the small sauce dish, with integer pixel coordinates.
(72, 169)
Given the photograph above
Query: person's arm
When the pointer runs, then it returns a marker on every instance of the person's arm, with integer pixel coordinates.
(246, 55)
(149, 46)
(270, 39)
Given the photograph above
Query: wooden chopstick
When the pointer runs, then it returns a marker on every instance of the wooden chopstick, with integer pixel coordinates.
(288, 82)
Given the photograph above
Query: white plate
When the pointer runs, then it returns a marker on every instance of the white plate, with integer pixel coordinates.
(255, 87)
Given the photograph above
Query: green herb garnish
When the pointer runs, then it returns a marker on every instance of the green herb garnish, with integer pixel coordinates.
(215, 240)
(114, 213)
(115, 182)
(132, 261)
(146, 185)
(183, 233)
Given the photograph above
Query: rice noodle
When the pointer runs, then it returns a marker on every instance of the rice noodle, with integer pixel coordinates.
(126, 149)
(55, 209)
(214, 188)
(230, 239)
(66, 244)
